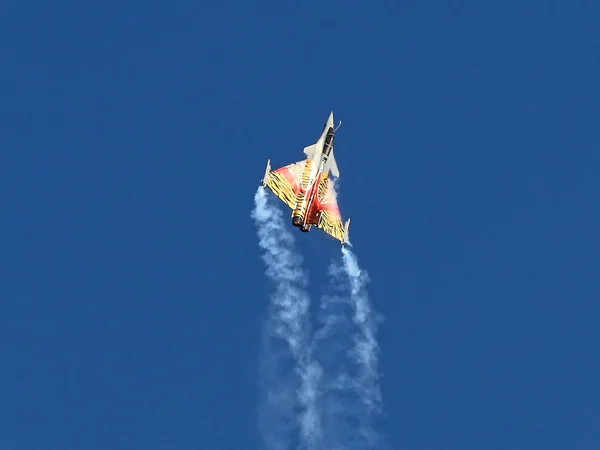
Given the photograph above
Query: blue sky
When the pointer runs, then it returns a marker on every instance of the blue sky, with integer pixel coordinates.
(133, 137)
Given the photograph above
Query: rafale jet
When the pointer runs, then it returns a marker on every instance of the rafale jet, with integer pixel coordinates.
(305, 187)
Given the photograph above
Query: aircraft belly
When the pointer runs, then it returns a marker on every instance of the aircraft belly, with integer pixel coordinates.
(304, 186)
(309, 178)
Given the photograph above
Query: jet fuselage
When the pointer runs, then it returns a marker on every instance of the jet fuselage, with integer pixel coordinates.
(311, 176)
(306, 187)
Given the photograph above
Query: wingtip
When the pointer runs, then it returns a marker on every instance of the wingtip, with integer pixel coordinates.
(346, 240)
(265, 179)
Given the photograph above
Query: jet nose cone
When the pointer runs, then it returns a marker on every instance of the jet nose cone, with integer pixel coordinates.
(330, 119)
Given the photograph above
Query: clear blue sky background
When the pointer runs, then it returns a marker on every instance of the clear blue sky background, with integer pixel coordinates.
(133, 136)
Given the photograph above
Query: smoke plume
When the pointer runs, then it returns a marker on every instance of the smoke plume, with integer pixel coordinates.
(288, 376)
(333, 404)
(346, 345)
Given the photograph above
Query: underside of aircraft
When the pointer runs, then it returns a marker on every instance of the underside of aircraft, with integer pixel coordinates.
(306, 188)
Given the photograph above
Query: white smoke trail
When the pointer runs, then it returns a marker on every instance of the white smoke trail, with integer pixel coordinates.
(289, 378)
(366, 347)
(348, 349)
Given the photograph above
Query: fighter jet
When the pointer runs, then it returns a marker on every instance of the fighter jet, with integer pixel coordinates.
(305, 187)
